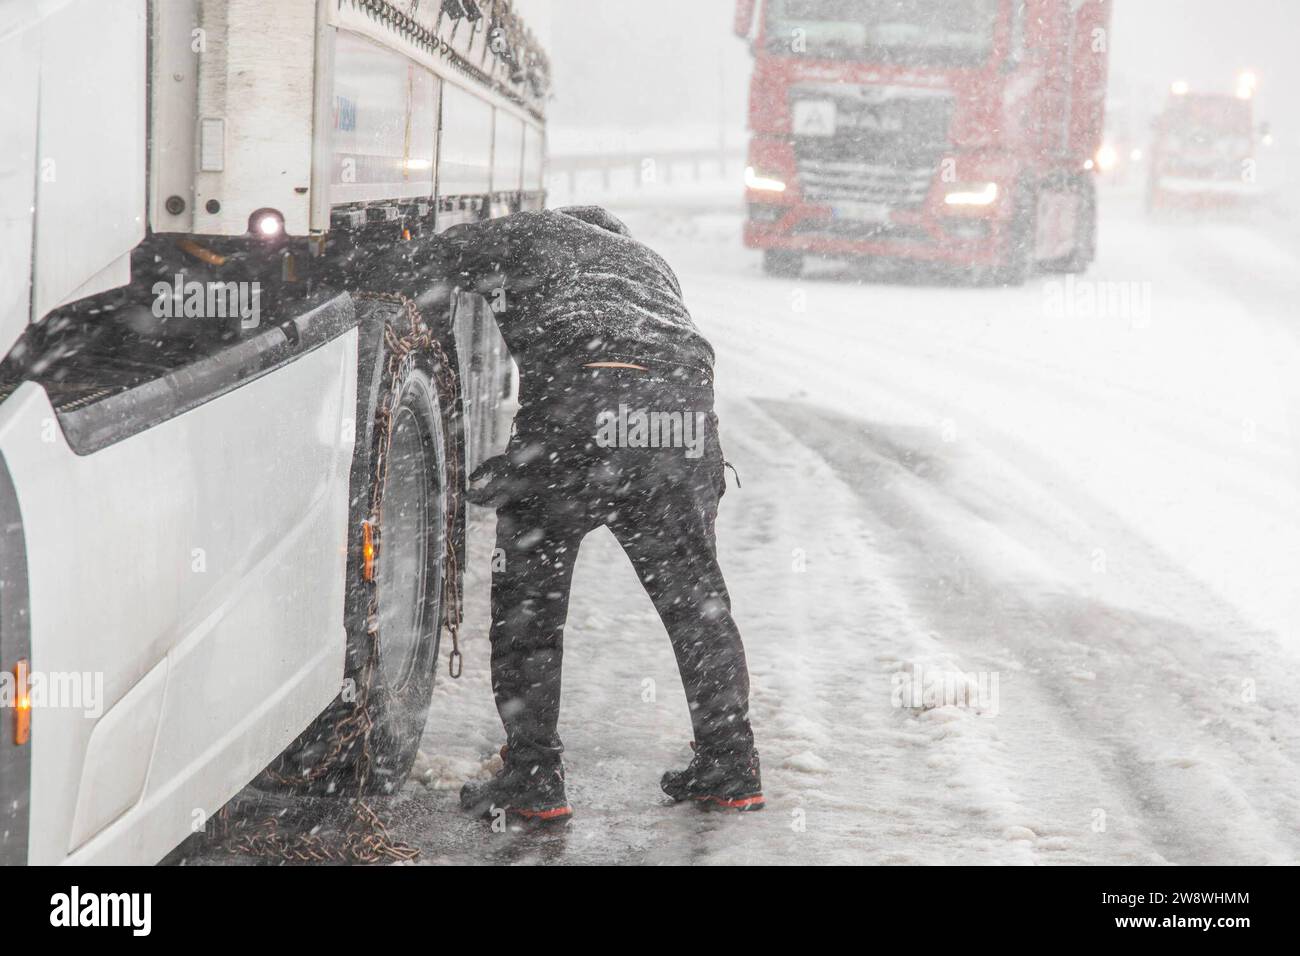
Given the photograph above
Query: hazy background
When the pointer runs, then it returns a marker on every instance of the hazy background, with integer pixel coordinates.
(647, 62)
(637, 65)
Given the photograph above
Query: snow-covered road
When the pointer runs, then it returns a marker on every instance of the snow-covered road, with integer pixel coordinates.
(1090, 522)
(1094, 517)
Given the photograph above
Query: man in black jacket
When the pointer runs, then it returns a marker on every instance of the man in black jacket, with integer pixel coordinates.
(615, 427)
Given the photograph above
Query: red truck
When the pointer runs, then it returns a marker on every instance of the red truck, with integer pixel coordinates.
(963, 133)
(1203, 150)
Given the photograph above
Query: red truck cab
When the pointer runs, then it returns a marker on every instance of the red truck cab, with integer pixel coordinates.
(963, 133)
(1203, 150)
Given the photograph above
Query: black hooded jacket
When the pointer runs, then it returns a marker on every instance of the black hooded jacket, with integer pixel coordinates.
(571, 286)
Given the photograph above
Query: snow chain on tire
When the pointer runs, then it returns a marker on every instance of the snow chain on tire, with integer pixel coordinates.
(418, 339)
(365, 838)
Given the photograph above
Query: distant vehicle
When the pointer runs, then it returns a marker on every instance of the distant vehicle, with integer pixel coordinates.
(963, 133)
(1204, 149)
(230, 508)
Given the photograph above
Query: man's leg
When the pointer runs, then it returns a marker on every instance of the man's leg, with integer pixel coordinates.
(530, 601)
(668, 534)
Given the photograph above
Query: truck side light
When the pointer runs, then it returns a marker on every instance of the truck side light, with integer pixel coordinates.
(22, 704)
(975, 194)
(266, 223)
(202, 253)
(367, 551)
(765, 184)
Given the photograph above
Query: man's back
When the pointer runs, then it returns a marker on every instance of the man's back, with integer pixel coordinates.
(576, 288)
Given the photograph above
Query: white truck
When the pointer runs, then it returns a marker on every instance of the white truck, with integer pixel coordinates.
(231, 448)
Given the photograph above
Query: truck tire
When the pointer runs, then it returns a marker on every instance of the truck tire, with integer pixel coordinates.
(408, 571)
(1018, 258)
(403, 545)
(783, 263)
(1085, 237)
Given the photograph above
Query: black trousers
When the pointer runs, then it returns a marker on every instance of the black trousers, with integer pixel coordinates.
(658, 493)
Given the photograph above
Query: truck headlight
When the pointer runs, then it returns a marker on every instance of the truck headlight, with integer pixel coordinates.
(973, 194)
(763, 184)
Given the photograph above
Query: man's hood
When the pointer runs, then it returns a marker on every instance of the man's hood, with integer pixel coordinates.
(597, 216)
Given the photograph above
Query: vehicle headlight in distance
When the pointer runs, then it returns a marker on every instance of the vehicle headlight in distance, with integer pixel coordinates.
(1107, 158)
(763, 184)
(973, 194)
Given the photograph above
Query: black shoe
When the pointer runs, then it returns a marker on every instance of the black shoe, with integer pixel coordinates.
(526, 789)
(718, 781)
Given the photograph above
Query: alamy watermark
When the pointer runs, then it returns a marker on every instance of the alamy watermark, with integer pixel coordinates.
(209, 300)
(133, 911)
(927, 689)
(1076, 298)
(26, 689)
(644, 428)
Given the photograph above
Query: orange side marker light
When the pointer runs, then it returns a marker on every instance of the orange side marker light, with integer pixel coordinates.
(367, 551)
(22, 704)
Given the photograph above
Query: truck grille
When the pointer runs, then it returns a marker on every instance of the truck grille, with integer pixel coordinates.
(886, 148)
(831, 181)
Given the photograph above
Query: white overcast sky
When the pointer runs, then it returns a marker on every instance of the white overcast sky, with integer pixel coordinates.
(653, 63)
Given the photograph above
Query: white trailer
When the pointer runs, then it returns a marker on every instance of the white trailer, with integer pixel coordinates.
(231, 455)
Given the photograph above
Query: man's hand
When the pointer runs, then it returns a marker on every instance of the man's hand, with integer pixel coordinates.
(491, 483)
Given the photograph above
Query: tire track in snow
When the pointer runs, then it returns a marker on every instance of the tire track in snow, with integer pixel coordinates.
(879, 784)
(767, 370)
(1139, 720)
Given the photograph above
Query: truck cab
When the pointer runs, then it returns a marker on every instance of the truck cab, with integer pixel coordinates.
(925, 130)
(1203, 151)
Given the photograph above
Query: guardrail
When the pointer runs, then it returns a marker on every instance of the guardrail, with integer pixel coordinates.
(647, 167)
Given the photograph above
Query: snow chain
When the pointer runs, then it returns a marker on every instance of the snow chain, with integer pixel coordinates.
(365, 839)
(416, 339)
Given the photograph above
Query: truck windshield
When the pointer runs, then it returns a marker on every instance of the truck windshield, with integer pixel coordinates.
(907, 32)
